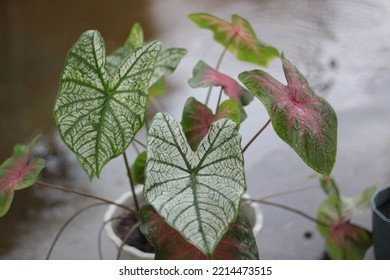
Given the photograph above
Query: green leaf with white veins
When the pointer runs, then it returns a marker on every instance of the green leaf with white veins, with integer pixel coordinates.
(196, 192)
(98, 113)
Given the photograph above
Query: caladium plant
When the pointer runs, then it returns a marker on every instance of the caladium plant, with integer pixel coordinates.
(343, 239)
(193, 170)
(18, 172)
(238, 37)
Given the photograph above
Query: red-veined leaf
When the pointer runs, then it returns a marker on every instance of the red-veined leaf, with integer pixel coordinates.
(237, 243)
(197, 118)
(238, 36)
(18, 172)
(205, 76)
(343, 240)
(302, 119)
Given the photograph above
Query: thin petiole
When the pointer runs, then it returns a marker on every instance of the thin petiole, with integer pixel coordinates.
(131, 181)
(256, 135)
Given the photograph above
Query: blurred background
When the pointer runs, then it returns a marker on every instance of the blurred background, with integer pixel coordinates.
(342, 47)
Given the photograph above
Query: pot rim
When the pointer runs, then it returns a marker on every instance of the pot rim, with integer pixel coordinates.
(374, 202)
(113, 210)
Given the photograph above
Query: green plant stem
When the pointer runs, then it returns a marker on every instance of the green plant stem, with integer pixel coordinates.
(52, 186)
(217, 67)
(219, 100)
(155, 104)
(131, 182)
(256, 135)
(67, 223)
(290, 209)
(139, 143)
(136, 148)
(289, 192)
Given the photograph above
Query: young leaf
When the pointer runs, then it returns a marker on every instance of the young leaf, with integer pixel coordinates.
(197, 193)
(205, 76)
(138, 169)
(302, 119)
(238, 36)
(134, 41)
(136, 37)
(98, 114)
(343, 240)
(166, 63)
(197, 118)
(18, 172)
(237, 244)
(358, 204)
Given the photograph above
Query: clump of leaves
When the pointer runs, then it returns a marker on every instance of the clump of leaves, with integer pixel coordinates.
(343, 239)
(18, 172)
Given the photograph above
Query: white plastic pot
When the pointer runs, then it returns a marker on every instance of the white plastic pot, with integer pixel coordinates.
(252, 211)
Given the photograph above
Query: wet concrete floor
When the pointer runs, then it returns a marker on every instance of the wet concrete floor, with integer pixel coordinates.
(342, 49)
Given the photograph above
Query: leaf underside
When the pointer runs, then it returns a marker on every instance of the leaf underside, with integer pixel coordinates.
(302, 119)
(197, 193)
(238, 242)
(238, 36)
(18, 172)
(98, 113)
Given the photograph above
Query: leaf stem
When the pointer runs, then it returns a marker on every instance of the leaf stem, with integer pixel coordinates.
(219, 100)
(217, 67)
(53, 244)
(131, 230)
(131, 181)
(291, 209)
(289, 192)
(52, 186)
(155, 104)
(256, 135)
(100, 251)
(139, 143)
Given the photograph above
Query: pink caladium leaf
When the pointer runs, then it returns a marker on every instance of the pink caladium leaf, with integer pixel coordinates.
(238, 36)
(302, 119)
(237, 243)
(197, 118)
(18, 172)
(343, 240)
(205, 76)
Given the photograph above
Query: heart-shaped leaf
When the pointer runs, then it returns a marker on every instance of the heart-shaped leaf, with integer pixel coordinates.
(205, 76)
(197, 193)
(302, 119)
(238, 36)
(134, 41)
(197, 118)
(98, 114)
(237, 244)
(166, 63)
(18, 172)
